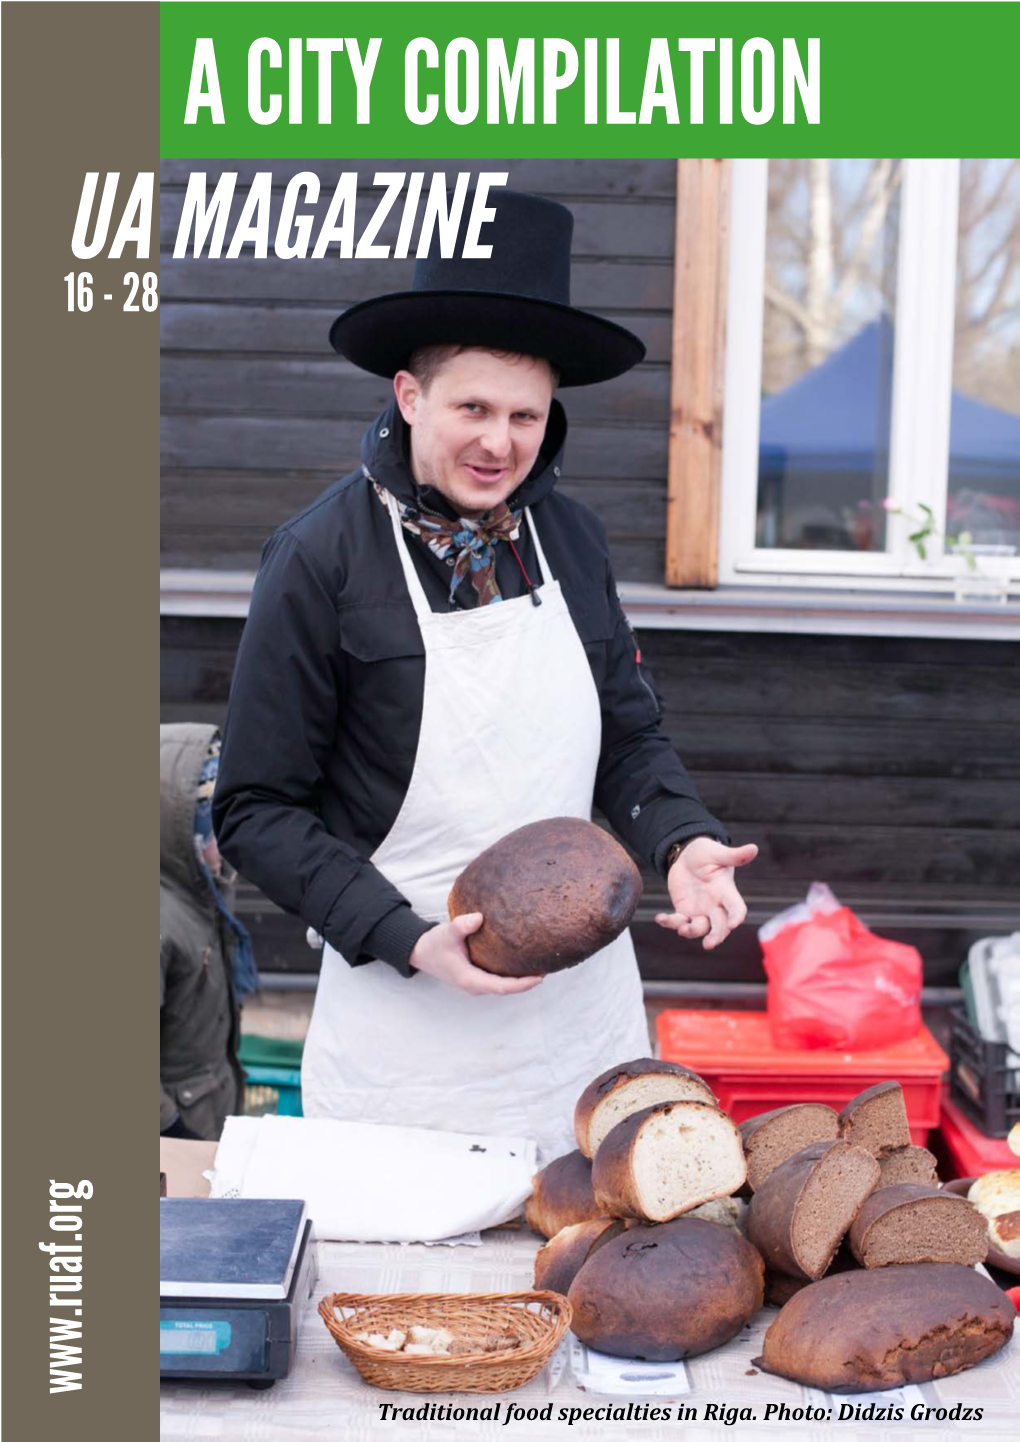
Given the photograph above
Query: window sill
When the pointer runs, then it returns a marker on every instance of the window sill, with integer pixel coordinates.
(818, 612)
(731, 608)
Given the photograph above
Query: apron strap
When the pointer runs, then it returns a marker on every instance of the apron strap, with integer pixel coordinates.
(543, 564)
(414, 585)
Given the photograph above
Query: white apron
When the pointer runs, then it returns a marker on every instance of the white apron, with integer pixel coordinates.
(510, 733)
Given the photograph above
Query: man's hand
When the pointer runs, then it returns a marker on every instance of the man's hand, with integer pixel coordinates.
(442, 953)
(701, 887)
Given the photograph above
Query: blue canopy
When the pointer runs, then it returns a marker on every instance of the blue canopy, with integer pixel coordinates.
(836, 417)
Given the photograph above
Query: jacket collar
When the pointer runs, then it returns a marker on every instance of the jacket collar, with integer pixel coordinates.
(385, 448)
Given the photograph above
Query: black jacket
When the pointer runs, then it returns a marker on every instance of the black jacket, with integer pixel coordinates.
(325, 706)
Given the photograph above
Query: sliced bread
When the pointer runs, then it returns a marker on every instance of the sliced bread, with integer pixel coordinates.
(667, 1159)
(799, 1215)
(773, 1136)
(628, 1088)
(876, 1118)
(911, 1223)
(907, 1164)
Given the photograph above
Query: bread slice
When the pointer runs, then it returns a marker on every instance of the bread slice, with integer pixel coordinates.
(560, 1260)
(907, 1164)
(628, 1088)
(773, 1136)
(561, 1195)
(868, 1331)
(911, 1223)
(876, 1118)
(666, 1160)
(799, 1215)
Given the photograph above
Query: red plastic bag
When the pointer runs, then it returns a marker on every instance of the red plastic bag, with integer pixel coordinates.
(834, 983)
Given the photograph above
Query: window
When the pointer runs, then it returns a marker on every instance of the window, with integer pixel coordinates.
(872, 369)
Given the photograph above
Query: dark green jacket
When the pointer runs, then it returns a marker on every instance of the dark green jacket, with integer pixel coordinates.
(200, 1078)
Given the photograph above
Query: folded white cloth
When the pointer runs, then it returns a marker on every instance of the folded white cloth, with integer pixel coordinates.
(366, 1183)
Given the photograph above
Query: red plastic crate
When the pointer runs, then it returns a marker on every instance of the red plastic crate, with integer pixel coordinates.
(967, 1150)
(733, 1051)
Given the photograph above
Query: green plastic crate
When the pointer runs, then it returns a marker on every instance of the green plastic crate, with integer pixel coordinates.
(272, 1070)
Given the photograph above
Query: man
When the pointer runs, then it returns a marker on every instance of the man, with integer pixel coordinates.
(206, 964)
(435, 655)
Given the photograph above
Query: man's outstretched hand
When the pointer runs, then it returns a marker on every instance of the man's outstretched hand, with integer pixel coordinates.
(705, 898)
(442, 952)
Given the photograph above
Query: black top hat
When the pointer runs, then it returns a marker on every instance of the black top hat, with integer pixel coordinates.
(517, 300)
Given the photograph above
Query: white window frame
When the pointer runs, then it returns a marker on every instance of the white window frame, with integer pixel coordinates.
(922, 389)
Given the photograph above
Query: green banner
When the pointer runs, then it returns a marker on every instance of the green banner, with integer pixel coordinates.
(429, 80)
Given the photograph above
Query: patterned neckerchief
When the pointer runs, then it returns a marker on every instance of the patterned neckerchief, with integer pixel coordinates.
(466, 545)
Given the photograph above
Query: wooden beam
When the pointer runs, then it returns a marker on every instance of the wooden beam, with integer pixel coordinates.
(696, 389)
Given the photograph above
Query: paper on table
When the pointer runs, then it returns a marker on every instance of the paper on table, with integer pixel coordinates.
(906, 1397)
(366, 1183)
(625, 1377)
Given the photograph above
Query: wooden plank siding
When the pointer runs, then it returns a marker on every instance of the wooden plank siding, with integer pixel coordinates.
(888, 768)
(258, 415)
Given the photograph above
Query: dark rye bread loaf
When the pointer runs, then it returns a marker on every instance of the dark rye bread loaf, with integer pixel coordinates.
(868, 1331)
(560, 1260)
(662, 1293)
(876, 1118)
(910, 1223)
(799, 1215)
(773, 1136)
(667, 1159)
(551, 894)
(780, 1286)
(907, 1164)
(630, 1087)
(561, 1196)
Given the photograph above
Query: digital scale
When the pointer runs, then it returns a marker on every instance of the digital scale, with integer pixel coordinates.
(235, 1278)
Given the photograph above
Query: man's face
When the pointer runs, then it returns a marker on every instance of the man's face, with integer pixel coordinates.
(476, 430)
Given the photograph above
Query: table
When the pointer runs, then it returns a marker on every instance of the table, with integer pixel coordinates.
(324, 1396)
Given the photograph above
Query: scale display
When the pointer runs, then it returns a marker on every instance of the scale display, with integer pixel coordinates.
(232, 1341)
(189, 1337)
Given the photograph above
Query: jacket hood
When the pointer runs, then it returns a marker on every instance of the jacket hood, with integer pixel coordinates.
(385, 452)
(182, 750)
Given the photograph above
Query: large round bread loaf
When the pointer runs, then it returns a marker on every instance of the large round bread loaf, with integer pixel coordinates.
(561, 1196)
(867, 1331)
(666, 1292)
(800, 1214)
(630, 1087)
(911, 1223)
(551, 894)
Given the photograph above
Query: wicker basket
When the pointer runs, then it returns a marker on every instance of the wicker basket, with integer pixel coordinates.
(537, 1319)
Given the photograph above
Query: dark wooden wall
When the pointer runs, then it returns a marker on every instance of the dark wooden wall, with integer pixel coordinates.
(259, 415)
(889, 768)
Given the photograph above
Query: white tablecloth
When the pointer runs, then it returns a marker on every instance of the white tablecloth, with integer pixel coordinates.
(325, 1396)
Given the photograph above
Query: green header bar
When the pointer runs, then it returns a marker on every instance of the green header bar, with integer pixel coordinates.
(430, 80)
